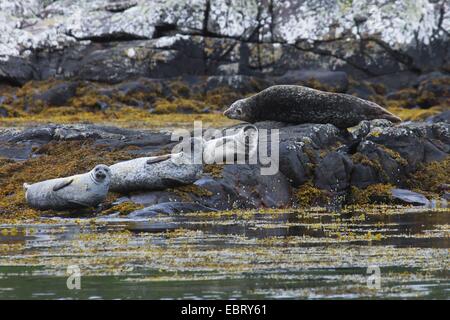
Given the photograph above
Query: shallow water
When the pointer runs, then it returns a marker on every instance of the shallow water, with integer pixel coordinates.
(274, 254)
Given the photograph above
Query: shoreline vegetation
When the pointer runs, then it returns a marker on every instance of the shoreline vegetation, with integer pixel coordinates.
(171, 104)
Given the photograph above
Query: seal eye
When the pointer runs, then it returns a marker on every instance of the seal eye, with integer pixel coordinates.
(239, 111)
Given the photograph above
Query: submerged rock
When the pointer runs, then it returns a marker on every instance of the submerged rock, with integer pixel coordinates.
(169, 208)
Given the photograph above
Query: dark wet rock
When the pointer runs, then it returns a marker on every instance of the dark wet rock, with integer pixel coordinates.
(135, 86)
(336, 80)
(329, 159)
(429, 77)
(300, 147)
(19, 151)
(435, 90)
(38, 134)
(333, 172)
(441, 117)
(22, 141)
(3, 111)
(169, 208)
(365, 126)
(16, 71)
(243, 186)
(361, 89)
(414, 142)
(394, 81)
(404, 196)
(58, 95)
(222, 196)
(378, 165)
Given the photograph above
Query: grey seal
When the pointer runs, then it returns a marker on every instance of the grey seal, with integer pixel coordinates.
(154, 173)
(298, 104)
(78, 191)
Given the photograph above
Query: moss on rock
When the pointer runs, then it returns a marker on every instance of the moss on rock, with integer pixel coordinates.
(376, 193)
(308, 195)
(431, 176)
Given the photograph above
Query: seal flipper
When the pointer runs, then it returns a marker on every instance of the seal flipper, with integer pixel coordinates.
(62, 184)
(158, 159)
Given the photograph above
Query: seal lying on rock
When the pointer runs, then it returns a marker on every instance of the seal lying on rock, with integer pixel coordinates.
(297, 104)
(82, 190)
(154, 173)
(238, 146)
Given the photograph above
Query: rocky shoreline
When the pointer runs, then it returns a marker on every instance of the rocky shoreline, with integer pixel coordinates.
(320, 165)
(74, 74)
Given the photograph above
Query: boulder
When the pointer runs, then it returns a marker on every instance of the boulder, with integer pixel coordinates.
(58, 95)
(444, 116)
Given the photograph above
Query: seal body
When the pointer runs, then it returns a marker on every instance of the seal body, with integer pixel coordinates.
(82, 190)
(298, 104)
(239, 145)
(154, 173)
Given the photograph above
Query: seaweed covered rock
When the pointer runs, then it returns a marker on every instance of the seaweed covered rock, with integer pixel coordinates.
(318, 164)
(22, 144)
(302, 146)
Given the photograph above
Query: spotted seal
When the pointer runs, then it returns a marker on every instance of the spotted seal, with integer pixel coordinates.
(78, 191)
(240, 144)
(154, 173)
(298, 104)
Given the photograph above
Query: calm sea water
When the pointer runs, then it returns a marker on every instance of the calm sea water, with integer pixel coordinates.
(379, 252)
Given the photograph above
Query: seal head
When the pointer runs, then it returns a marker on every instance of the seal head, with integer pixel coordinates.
(100, 173)
(243, 110)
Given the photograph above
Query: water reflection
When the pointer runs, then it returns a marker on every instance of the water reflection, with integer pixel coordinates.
(298, 254)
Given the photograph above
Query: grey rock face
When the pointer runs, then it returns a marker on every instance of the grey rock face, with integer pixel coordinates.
(104, 40)
(19, 144)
